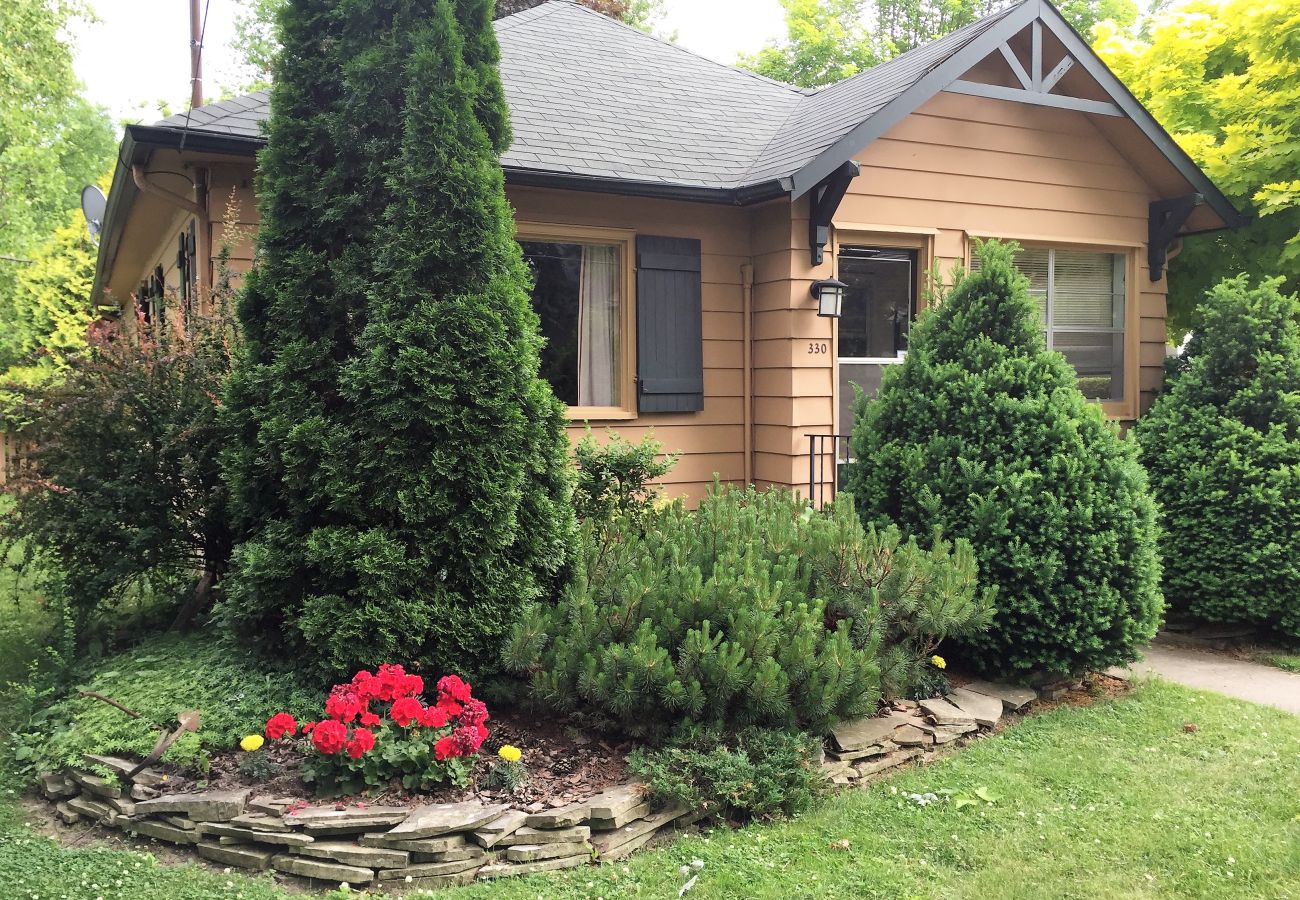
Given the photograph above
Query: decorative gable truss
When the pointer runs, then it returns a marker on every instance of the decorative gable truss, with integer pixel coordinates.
(1035, 87)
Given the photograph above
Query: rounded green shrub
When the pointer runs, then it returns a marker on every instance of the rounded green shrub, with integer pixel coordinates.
(985, 434)
(1222, 447)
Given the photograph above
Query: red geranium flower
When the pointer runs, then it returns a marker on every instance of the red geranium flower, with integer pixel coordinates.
(467, 739)
(330, 736)
(452, 686)
(344, 704)
(362, 742)
(474, 712)
(369, 719)
(406, 710)
(279, 725)
(434, 717)
(448, 705)
(444, 748)
(307, 728)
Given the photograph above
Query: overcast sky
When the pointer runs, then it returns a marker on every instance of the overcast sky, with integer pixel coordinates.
(138, 53)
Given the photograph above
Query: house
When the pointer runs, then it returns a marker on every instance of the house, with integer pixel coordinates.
(679, 214)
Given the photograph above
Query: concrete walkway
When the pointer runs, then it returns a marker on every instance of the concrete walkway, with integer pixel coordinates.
(1223, 674)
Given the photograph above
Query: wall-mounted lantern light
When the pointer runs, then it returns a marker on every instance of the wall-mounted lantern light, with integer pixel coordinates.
(829, 295)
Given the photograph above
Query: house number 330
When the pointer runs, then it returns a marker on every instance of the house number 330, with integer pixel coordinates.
(816, 348)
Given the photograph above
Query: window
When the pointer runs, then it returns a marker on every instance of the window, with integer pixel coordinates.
(1081, 297)
(579, 294)
(879, 302)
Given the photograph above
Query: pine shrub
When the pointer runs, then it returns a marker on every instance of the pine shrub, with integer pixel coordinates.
(753, 610)
(1222, 447)
(984, 433)
(401, 476)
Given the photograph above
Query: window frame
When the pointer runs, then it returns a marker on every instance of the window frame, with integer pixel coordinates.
(1123, 408)
(625, 242)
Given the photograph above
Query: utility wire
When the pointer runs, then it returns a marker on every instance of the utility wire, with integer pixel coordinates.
(203, 33)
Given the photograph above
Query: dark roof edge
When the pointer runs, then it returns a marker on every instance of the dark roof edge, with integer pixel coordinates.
(742, 196)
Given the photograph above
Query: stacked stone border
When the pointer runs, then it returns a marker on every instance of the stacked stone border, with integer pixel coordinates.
(396, 849)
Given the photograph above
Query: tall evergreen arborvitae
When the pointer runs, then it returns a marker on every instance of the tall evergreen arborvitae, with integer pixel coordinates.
(401, 473)
(984, 433)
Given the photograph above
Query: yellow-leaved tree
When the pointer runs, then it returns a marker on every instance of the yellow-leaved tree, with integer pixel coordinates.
(1223, 76)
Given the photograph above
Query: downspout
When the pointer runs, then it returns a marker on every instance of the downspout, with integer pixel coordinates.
(203, 237)
(747, 374)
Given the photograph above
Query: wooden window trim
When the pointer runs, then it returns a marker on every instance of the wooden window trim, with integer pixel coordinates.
(1126, 408)
(625, 241)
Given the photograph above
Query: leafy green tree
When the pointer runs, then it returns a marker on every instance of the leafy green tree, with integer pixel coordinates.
(52, 310)
(829, 40)
(983, 433)
(1223, 76)
(1222, 447)
(400, 474)
(826, 41)
(256, 42)
(52, 142)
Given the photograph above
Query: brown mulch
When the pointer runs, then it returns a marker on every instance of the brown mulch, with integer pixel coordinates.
(564, 764)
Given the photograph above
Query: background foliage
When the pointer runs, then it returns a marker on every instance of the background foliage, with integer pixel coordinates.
(1223, 76)
(52, 143)
(983, 432)
(1222, 447)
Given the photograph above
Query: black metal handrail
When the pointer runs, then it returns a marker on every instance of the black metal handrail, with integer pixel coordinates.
(819, 447)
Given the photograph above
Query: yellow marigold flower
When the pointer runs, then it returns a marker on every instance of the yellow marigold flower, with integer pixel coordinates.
(510, 754)
(939, 662)
(252, 742)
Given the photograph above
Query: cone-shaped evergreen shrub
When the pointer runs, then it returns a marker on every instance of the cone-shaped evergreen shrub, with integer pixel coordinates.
(1222, 447)
(402, 477)
(753, 610)
(983, 432)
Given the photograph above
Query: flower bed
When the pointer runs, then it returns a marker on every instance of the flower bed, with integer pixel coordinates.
(396, 846)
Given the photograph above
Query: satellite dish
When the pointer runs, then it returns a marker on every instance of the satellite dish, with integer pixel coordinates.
(93, 204)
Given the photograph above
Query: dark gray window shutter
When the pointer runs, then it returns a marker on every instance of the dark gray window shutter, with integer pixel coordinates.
(669, 331)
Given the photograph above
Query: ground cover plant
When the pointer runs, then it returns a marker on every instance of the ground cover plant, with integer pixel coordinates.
(400, 475)
(1222, 446)
(984, 433)
(752, 610)
(757, 773)
(160, 678)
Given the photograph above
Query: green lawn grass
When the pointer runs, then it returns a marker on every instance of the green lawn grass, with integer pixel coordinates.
(1113, 801)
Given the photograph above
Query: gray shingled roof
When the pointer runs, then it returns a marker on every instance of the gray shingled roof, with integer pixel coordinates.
(592, 97)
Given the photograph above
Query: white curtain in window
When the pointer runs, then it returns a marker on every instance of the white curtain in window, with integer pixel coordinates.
(598, 326)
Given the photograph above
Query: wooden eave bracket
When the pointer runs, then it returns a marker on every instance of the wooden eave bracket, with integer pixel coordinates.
(823, 203)
(1165, 219)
